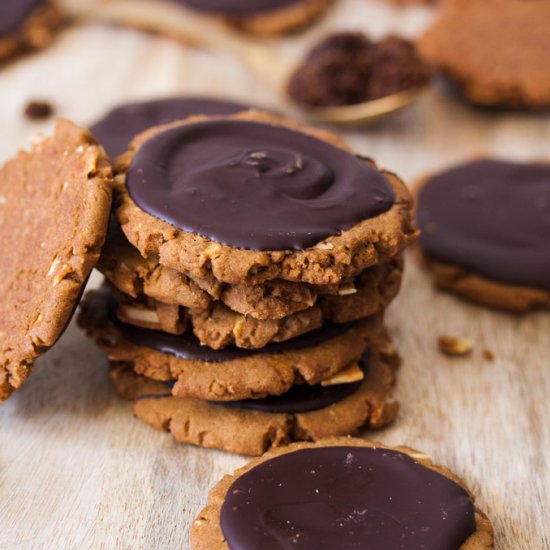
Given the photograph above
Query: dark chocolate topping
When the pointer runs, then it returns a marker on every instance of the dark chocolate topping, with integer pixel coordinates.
(254, 186)
(238, 8)
(346, 498)
(13, 13)
(302, 398)
(490, 217)
(117, 129)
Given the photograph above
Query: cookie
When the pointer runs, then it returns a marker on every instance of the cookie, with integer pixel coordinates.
(305, 413)
(137, 277)
(342, 493)
(172, 17)
(485, 227)
(66, 177)
(26, 25)
(320, 214)
(218, 326)
(231, 374)
(118, 127)
(494, 51)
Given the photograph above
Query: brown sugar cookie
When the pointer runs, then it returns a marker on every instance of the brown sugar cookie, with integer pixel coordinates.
(493, 50)
(305, 413)
(485, 227)
(54, 209)
(262, 18)
(289, 202)
(218, 326)
(26, 25)
(231, 374)
(342, 493)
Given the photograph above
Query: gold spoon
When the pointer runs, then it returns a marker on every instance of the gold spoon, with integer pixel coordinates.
(190, 27)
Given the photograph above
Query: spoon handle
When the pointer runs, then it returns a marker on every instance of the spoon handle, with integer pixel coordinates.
(188, 26)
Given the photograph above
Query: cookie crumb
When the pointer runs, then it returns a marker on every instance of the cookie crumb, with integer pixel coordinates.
(38, 110)
(488, 354)
(451, 345)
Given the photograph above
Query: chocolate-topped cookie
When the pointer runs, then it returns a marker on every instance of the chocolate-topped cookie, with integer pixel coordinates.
(118, 127)
(231, 374)
(342, 493)
(26, 25)
(494, 51)
(256, 17)
(486, 232)
(253, 426)
(45, 265)
(252, 197)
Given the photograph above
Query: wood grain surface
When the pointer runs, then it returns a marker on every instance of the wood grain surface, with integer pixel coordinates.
(78, 471)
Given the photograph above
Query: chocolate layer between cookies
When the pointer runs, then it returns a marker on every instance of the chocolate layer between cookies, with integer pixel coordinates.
(342, 493)
(254, 426)
(231, 374)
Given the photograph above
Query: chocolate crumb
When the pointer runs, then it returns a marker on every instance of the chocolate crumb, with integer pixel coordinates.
(451, 345)
(488, 354)
(38, 110)
(349, 68)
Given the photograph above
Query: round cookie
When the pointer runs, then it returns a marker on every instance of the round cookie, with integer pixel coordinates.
(218, 326)
(342, 493)
(351, 299)
(44, 264)
(26, 25)
(231, 374)
(485, 227)
(118, 127)
(305, 413)
(493, 50)
(320, 215)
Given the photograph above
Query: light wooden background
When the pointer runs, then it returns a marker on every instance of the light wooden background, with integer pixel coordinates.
(77, 471)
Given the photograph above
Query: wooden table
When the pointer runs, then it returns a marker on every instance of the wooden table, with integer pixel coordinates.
(78, 471)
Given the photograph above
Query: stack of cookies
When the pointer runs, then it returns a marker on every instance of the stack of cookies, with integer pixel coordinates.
(249, 263)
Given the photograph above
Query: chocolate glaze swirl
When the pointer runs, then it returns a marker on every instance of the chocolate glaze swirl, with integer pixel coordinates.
(346, 498)
(13, 13)
(237, 8)
(117, 129)
(302, 398)
(490, 217)
(254, 186)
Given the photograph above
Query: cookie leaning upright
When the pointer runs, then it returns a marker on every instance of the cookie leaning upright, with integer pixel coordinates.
(54, 208)
(322, 214)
